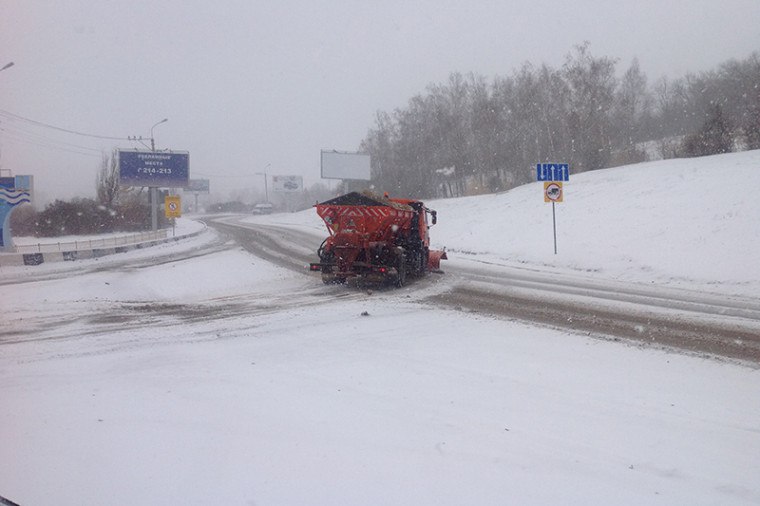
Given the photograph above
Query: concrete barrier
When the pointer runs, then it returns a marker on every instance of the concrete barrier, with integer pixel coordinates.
(19, 259)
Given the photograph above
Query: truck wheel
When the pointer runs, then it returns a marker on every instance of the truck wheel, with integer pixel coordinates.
(401, 268)
(419, 264)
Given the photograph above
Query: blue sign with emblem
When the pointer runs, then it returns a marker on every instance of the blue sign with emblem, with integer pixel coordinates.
(154, 168)
(552, 172)
(14, 191)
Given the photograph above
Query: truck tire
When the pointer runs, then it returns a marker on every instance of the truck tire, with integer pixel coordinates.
(401, 269)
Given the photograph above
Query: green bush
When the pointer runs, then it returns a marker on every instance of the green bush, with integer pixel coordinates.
(84, 217)
(76, 217)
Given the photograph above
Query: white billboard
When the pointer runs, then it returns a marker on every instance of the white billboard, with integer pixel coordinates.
(287, 184)
(342, 165)
(198, 185)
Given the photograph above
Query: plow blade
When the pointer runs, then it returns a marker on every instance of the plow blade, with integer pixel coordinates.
(434, 260)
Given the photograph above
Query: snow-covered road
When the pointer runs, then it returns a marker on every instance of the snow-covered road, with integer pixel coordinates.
(215, 371)
(221, 378)
(691, 320)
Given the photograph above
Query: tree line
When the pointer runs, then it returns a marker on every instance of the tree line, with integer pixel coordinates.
(470, 135)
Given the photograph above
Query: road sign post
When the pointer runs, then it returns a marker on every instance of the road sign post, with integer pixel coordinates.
(554, 227)
(172, 209)
(553, 174)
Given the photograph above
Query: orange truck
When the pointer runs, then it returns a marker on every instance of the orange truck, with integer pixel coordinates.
(376, 238)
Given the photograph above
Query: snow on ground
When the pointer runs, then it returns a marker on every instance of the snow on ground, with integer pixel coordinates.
(404, 406)
(690, 223)
(687, 222)
(225, 380)
(184, 227)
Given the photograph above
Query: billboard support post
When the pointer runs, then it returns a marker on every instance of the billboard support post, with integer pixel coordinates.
(153, 211)
(266, 186)
(153, 197)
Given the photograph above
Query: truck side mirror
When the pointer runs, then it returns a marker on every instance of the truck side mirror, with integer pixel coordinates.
(435, 217)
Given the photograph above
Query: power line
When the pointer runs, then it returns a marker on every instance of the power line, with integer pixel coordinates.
(25, 134)
(13, 137)
(60, 129)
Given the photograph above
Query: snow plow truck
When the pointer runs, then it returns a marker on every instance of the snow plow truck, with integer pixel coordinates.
(377, 239)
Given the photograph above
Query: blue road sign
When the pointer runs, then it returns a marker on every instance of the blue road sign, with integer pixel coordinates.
(154, 169)
(552, 172)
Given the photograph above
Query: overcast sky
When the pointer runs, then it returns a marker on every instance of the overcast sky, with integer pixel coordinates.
(252, 86)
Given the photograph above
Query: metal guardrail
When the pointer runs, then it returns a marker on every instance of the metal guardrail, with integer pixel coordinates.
(90, 244)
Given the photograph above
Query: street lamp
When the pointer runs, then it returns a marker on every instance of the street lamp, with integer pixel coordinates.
(266, 190)
(153, 196)
(7, 66)
(152, 142)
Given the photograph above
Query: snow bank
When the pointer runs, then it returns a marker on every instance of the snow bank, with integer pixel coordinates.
(689, 223)
(686, 221)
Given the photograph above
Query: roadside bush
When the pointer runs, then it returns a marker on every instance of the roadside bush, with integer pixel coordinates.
(133, 215)
(715, 137)
(76, 217)
(24, 221)
(85, 217)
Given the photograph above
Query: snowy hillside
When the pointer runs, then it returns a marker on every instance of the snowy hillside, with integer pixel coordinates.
(685, 222)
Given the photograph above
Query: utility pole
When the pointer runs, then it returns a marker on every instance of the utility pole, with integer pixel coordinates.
(266, 189)
(153, 189)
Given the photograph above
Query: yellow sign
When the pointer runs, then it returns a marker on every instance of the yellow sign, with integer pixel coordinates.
(172, 206)
(553, 191)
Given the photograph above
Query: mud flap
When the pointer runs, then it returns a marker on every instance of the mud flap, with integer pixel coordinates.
(434, 260)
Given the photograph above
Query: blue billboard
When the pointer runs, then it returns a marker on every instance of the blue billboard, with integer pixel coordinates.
(154, 168)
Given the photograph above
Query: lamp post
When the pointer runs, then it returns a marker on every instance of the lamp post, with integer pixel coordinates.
(266, 189)
(153, 189)
(152, 141)
(7, 66)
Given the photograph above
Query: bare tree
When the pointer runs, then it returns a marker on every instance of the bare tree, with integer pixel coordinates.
(108, 182)
(632, 106)
(592, 86)
(467, 130)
